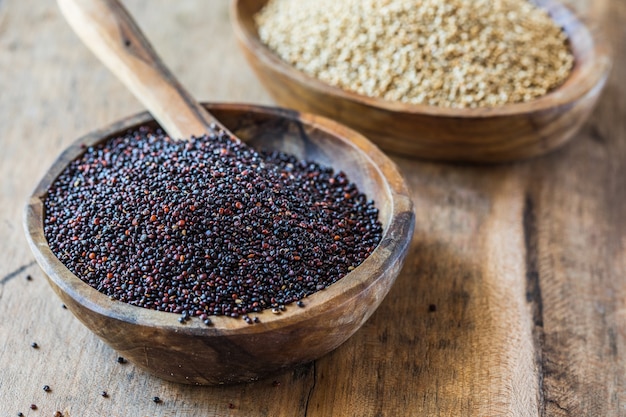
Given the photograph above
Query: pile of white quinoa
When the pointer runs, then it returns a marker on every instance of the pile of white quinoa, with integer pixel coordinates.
(447, 53)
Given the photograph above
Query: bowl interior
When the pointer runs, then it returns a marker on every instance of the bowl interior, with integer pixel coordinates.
(308, 137)
(590, 52)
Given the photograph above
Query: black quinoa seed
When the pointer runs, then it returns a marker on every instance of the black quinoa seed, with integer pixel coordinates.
(432, 308)
(104, 394)
(33, 406)
(46, 388)
(156, 400)
(20, 414)
(34, 345)
(29, 278)
(207, 226)
(121, 359)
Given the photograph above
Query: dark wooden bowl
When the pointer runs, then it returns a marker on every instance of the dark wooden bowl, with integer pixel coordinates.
(231, 350)
(504, 133)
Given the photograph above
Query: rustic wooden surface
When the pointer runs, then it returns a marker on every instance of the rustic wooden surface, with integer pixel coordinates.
(524, 265)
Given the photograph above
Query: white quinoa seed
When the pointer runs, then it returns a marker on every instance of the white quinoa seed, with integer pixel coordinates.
(447, 53)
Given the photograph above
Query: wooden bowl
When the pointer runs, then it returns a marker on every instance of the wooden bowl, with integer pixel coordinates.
(499, 134)
(231, 350)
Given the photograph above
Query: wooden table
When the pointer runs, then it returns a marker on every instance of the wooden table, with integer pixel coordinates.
(512, 301)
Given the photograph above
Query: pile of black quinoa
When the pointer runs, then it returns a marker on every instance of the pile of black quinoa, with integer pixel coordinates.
(207, 226)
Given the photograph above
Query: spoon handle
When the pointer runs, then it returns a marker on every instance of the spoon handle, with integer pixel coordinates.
(113, 36)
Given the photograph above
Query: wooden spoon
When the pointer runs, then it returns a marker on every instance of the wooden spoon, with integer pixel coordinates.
(107, 28)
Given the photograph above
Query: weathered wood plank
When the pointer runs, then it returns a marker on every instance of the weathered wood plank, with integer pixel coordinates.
(512, 302)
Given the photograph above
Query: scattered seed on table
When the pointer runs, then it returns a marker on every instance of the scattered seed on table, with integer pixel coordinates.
(64, 307)
(432, 308)
(231, 406)
(34, 345)
(58, 414)
(33, 406)
(46, 388)
(20, 414)
(29, 278)
(104, 394)
(300, 303)
(207, 226)
(121, 359)
(156, 399)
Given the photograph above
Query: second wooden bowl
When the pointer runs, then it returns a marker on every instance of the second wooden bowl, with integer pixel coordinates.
(232, 350)
(505, 133)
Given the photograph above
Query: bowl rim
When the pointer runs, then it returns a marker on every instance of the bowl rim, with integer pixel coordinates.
(392, 248)
(566, 93)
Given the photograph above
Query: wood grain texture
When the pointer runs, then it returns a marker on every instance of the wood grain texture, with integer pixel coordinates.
(500, 134)
(524, 264)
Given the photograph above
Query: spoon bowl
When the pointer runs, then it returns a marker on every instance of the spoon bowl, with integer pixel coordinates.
(231, 350)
